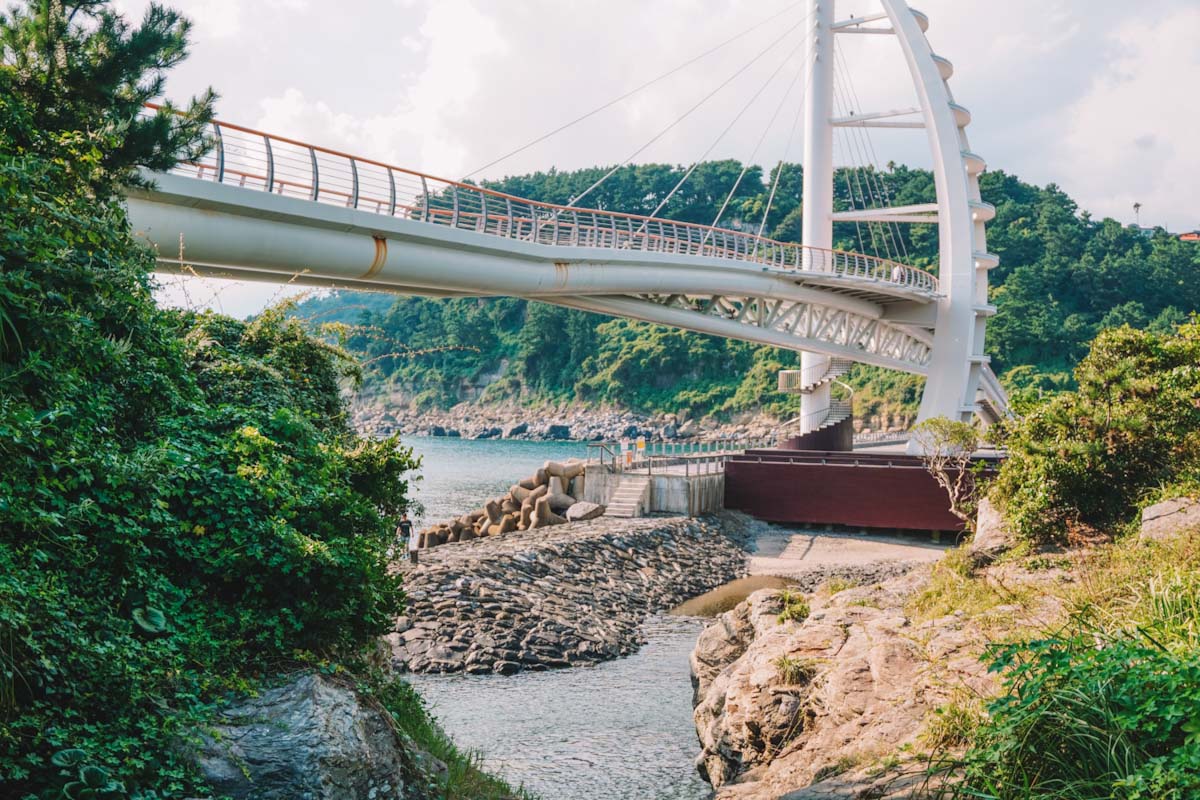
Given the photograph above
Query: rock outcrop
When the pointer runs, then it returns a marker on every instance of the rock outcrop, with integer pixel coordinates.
(800, 709)
(993, 535)
(312, 738)
(572, 594)
(1168, 519)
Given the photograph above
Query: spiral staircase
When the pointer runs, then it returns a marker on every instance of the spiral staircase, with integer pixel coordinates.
(830, 427)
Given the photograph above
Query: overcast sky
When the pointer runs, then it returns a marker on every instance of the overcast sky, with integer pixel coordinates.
(1098, 96)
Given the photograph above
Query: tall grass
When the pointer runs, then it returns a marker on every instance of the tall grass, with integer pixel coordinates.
(464, 778)
(1108, 706)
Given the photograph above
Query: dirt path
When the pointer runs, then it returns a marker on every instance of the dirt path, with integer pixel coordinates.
(797, 553)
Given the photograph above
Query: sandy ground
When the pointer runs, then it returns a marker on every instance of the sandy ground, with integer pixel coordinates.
(789, 553)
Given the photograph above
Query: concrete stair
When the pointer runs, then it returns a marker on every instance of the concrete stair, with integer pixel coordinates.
(631, 497)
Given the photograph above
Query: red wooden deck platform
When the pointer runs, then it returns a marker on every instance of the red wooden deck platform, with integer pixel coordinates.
(855, 489)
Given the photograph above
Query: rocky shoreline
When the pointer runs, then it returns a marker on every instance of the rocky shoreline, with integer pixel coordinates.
(568, 595)
(567, 423)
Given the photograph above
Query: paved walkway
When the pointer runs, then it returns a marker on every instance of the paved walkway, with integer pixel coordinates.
(794, 553)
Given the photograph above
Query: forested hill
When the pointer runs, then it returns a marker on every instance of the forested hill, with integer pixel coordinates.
(1063, 277)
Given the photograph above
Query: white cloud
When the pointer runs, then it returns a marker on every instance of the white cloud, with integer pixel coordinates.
(221, 19)
(1131, 138)
(420, 127)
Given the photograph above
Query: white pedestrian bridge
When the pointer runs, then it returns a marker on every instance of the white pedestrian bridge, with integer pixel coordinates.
(269, 208)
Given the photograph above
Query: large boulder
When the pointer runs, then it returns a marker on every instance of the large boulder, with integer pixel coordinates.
(993, 534)
(516, 430)
(719, 645)
(583, 510)
(1170, 518)
(309, 738)
(782, 705)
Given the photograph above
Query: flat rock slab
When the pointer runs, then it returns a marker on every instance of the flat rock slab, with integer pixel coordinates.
(555, 597)
(1170, 518)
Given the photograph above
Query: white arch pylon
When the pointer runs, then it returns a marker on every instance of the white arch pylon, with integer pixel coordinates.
(959, 382)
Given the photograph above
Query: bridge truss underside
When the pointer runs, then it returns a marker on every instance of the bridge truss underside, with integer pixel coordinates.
(215, 230)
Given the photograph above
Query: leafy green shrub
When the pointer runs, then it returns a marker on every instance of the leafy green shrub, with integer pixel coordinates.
(1087, 716)
(1106, 706)
(1088, 458)
(183, 509)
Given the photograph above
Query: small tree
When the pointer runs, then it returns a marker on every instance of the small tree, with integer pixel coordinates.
(946, 448)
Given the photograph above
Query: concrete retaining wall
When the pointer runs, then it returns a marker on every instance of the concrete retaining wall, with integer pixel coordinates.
(690, 495)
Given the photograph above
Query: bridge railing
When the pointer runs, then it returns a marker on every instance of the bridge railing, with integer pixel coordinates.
(703, 455)
(260, 161)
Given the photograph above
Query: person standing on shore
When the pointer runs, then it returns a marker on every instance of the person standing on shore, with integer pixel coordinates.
(406, 530)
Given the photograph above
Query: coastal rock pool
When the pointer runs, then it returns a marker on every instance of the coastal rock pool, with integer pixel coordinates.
(615, 731)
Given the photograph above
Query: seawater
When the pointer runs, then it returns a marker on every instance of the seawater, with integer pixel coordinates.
(615, 731)
(460, 475)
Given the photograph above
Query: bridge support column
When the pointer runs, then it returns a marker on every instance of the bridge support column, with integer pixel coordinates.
(818, 180)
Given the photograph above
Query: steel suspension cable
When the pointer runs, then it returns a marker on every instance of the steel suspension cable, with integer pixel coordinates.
(754, 153)
(850, 193)
(770, 79)
(869, 153)
(865, 134)
(687, 113)
(633, 91)
(867, 195)
(857, 200)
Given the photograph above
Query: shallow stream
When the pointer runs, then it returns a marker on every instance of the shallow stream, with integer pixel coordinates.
(616, 731)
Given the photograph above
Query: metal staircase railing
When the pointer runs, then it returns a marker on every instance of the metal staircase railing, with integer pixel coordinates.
(838, 411)
(805, 381)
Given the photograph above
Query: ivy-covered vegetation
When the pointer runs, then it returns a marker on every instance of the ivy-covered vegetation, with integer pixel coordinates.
(1063, 278)
(184, 511)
